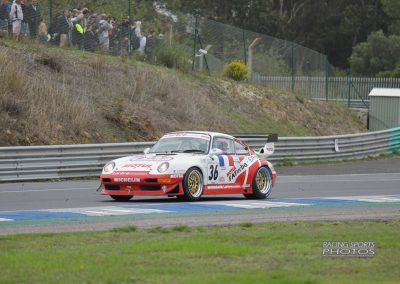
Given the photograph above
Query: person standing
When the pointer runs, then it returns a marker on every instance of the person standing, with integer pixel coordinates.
(150, 43)
(104, 27)
(33, 18)
(43, 35)
(63, 28)
(16, 18)
(4, 16)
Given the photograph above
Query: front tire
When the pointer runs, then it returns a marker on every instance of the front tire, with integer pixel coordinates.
(121, 197)
(262, 184)
(192, 185)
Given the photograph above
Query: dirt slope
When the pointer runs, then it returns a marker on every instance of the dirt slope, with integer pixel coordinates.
(53, 96)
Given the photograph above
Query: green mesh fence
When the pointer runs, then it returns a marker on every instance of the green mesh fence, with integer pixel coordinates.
(272, 61)
(191, 43)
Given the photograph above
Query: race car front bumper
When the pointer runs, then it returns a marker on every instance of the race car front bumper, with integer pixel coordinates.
(141, 184)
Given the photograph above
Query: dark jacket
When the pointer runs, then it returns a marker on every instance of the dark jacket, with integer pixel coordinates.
(24, 11)
(4, 15)
(32, 16)
(62, 25)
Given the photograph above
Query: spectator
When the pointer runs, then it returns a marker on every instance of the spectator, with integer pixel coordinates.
(78, 28)
(43, 34)
(24, 23)
(33, 18)
(63, 26)
(135, 33)
(90, 39)
(150, 44)
(4, 17)
(52, 30)
(124, 36)
(104, 27)
(142, 45)
(16, 18)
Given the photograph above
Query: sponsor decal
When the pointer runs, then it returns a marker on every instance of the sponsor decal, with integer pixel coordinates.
(136, 166)
(177, 176)
(223, 186)
(189, 135)
(156, 158)
(121, 173)
(235, 172)
(126, 179)
(231, 171)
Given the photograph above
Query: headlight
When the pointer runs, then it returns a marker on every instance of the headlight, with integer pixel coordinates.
(163, 167)
(109, 167)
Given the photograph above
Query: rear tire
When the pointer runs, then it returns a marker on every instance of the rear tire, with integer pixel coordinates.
(121, 197)
(262, 184)
(192, 185)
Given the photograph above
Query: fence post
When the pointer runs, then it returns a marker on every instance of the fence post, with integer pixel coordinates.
(250, 56)
(244, 48)
(51, 13)
(326, 76)
(293, 63)
(195, 41)
(130, 23)
(349, 82)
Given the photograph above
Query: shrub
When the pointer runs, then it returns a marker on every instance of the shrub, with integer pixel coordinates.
(171, 57)
(117, 107)
(236, 70)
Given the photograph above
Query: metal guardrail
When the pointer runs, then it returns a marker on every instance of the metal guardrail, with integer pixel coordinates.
(69, 161)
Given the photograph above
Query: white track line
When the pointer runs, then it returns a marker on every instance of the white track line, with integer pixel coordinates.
(5, 220)
(45, 190)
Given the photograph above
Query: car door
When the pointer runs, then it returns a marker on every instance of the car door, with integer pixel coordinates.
(243, 156)
(221, 169)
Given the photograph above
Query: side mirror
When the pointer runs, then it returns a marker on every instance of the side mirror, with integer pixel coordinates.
(146, 151)
(215, 152)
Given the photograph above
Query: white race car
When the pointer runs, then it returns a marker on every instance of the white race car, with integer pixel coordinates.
(191, 164)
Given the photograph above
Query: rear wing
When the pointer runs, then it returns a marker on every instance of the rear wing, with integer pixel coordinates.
(268, 148)
(267, 137)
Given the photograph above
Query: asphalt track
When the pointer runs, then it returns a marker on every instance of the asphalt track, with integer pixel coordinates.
(358, 190)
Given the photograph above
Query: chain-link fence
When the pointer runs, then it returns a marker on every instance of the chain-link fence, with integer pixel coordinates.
(272, 62)
(189, 43)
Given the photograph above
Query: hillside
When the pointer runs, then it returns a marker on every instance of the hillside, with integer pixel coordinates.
(54, 96)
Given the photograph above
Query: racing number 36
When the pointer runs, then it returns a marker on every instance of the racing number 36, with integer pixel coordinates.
(213, 172)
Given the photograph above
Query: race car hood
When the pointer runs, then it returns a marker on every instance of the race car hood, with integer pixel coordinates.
(150, 162)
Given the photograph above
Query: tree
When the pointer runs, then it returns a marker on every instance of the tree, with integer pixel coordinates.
(378, 54)
(392, 10)
(330, 27)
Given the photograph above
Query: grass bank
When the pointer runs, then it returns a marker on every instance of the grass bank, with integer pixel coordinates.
(262, 253)
(62, 96)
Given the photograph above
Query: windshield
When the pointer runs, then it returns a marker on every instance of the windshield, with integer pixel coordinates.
(182, 143)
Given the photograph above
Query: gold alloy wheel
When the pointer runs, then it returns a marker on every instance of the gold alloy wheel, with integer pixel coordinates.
(195, 183)
(263, 180)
